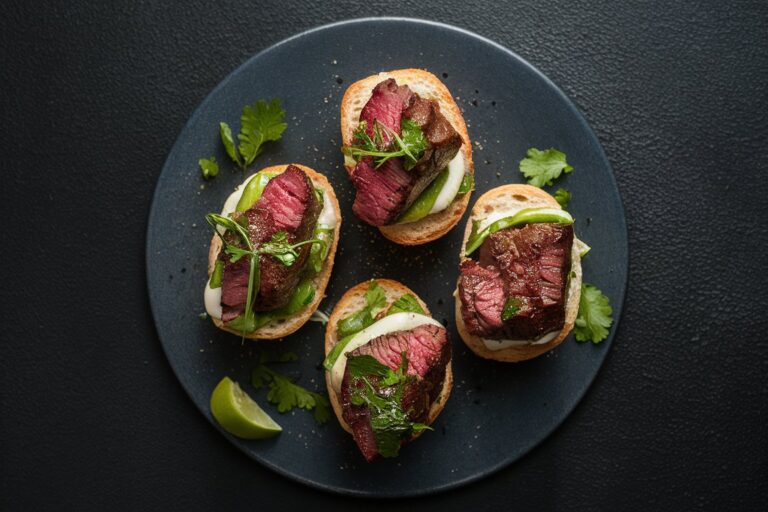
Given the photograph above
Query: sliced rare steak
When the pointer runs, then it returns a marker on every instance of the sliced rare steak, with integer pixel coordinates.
(288, 204)
(428, 352)
(527, 266)
(384, 193)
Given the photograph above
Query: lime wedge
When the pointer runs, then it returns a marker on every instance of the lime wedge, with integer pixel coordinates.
(238, 414)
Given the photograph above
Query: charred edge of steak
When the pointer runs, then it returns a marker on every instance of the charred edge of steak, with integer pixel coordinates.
(428, 352)
(288, 204)
(529, 264)
(385, 193)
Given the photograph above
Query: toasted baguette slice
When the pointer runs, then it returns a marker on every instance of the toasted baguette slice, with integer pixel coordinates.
(427, 86)
(277, 329)
(353, 301)
(513, 198)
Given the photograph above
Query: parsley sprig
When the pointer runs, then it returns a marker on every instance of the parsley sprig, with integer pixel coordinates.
(410, 145)
(540, 168)
(278, 247)
(259, 123)
(595, 315)
(285, 393)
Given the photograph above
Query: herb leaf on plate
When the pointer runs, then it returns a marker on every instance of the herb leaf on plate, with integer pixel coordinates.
(260, 123)
(209, 167)
(540, 168)
(595, 315)
(563, 197)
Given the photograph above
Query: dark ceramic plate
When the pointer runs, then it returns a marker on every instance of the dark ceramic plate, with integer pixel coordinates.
(496, 412)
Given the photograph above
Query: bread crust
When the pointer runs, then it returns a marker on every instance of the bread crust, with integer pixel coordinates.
(428, 86)
(353, 300)
(520, 196)
(277, 329)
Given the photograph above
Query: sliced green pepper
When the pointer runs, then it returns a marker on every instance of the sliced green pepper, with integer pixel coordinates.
(253, 190)
(218, 270)
(526, 216)
(336, 351)
(466, 183)
(426, 200)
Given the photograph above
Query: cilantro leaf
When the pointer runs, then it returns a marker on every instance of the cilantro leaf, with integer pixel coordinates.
(375, 297)
(286, 394)
(542, 167)
(563, 197)
(229, 143)
(261, 123)
(209, 167)
(595, 315)
(511, 307)
(405, 304)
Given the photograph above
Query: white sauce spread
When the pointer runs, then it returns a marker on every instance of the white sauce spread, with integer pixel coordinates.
(388, 324)
(452, 184)
(213, 295)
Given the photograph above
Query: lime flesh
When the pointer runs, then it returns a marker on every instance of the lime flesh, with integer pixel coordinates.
(238, 414)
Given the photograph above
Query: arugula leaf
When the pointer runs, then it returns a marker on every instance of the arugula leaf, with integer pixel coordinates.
(541, 167)
(595, 315)
(261, 123)
(563, 197)
(467, 182)
(511, 307)
(405, 304)
(209, 167)
(410, 144)
(286, 394)
(229, 143)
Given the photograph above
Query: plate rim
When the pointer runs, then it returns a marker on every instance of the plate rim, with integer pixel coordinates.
(618, 306)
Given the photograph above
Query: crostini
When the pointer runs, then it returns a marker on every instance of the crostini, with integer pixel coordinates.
(408, 154)
(272, 252)
(520, 275)
(388, 366)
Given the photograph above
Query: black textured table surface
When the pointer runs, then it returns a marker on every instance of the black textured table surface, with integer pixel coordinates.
(93, 98)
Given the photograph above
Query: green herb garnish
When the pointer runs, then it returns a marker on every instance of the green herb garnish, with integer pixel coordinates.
(380, 389)
(526, 216)
(209, 167)
(356, 322)
(278, 247)
(405, 304)
(410, 144)
(595, 315)
(542, 167)
(285, 393)
(259, 123)
(563, 197)
(511, 308)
